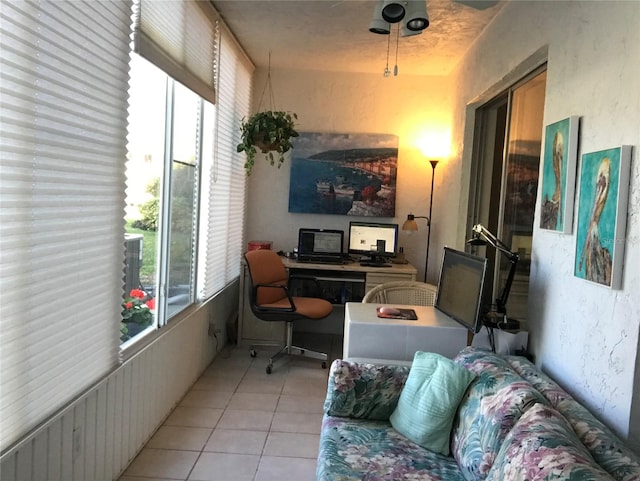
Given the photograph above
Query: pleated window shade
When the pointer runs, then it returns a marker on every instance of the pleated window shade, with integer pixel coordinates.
(225, 178)
(179, 37)
(63, 109)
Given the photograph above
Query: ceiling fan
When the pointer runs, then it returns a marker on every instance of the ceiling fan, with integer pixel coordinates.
(478, 4)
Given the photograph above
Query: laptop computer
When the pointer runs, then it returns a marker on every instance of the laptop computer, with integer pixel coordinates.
(320, 246)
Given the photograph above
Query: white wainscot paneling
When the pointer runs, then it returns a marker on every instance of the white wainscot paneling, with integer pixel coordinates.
(99, 434)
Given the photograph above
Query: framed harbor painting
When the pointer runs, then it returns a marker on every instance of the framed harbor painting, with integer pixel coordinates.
(559, 175)
(602, 216)
(344, 174)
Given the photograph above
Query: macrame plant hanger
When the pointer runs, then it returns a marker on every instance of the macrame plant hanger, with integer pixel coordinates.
(272, 101)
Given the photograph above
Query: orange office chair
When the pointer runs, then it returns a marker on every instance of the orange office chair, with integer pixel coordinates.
(271, 300)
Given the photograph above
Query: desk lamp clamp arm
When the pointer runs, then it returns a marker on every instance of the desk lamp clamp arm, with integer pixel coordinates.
(481, 236)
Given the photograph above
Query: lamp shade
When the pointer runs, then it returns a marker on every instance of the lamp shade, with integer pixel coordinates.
(393, 11)
(378, 24)
(416, 18)
(410, 224)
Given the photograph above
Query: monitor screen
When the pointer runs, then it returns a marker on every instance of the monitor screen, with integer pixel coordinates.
(320, 241)
(373, 238)
(460, 288)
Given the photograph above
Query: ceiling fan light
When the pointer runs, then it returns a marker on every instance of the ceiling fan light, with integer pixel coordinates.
(405, 32)
(416, 18)
(418, 24)
(393, 11)
(478, 4)
(378, 24)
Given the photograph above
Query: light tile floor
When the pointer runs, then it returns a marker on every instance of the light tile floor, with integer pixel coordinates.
(238, 423)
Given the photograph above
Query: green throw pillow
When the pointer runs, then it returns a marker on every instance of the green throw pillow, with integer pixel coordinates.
(429, 401)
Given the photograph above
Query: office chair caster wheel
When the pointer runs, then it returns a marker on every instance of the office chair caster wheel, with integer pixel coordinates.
(253, 353)
(269, 369)
(324, 365)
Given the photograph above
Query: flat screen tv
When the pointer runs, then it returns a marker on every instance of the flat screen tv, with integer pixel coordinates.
(460, 288)
(373, 239)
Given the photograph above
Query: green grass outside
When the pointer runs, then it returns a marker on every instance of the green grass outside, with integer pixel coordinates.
(148, 268)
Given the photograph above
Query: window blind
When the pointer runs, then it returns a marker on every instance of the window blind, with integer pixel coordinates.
(178, 36)
(63, 111)
(226, 180)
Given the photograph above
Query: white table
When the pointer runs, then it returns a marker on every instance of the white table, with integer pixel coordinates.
(368, 337)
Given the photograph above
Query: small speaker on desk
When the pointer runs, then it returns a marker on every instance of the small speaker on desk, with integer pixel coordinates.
(399, 259)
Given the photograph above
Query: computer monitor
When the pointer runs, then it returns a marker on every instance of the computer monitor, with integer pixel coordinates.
(319, 244)
(460, 288)
(373, 239)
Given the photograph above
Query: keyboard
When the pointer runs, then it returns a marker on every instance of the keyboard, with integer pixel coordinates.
(322, 260)
(375, 264)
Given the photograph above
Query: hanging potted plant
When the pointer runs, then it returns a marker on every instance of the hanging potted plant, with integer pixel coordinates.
(269, 131)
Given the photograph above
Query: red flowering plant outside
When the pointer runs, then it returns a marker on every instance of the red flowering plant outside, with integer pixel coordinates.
(137, 307)
(137, 314)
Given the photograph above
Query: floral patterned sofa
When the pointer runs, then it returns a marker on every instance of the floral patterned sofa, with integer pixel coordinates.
(513, 423)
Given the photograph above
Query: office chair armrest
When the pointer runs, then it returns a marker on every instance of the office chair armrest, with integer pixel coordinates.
(274, 309)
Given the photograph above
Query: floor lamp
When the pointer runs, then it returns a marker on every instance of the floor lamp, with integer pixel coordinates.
(411, 225)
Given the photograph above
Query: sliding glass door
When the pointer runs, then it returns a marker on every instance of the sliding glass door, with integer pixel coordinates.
(507, 148)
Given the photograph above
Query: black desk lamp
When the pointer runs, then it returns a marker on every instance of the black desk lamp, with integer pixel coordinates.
(482, 236)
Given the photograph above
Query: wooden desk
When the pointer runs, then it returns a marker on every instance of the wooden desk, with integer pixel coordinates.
(366, 336)
(250, 328)
(373, 275)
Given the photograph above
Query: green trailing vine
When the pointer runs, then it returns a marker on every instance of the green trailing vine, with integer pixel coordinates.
(270, 132)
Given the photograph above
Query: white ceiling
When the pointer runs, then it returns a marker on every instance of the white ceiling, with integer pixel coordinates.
(333, 35)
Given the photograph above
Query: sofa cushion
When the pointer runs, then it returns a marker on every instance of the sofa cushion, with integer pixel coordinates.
(603, 445)
(543, 446)
(492, 405)
(429, 400)
(357, 449)
(362, 390)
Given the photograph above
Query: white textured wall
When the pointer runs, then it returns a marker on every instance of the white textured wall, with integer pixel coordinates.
(583, 335)
(339, 102)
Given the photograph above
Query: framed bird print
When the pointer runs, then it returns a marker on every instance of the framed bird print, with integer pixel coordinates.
(559, 175)
(602, 212)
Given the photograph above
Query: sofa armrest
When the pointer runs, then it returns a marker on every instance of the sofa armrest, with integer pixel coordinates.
(364, 391)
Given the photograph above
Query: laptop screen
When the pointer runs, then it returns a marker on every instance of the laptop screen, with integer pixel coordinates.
(320, 242)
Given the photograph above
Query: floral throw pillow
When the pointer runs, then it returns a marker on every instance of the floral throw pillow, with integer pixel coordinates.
(542, 446)
(364, 391)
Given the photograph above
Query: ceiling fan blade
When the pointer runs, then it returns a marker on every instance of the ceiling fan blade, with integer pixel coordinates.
(478, 4)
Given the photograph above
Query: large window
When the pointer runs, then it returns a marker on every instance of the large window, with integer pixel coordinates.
(65, 111)
(185, 189)
(165, 139)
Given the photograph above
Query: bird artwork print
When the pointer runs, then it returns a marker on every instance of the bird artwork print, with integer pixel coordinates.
(595, 258)
(551, 211)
